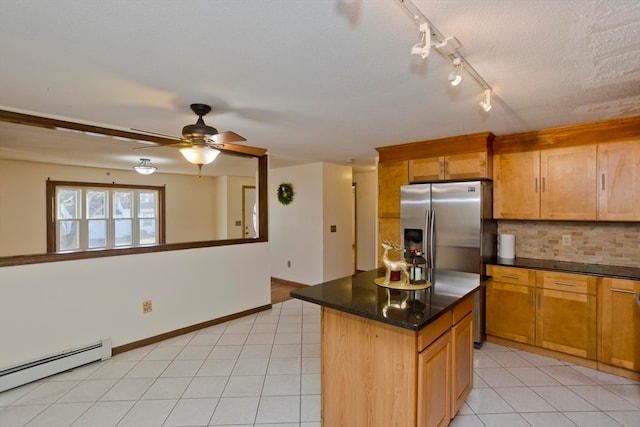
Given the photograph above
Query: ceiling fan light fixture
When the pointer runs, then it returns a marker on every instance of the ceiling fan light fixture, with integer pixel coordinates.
(145, 167)
(199, 155)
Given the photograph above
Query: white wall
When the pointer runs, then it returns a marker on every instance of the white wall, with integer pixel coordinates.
(295, 230)
(366, 219)
(51, 307)
(337, 207)
(300, 232)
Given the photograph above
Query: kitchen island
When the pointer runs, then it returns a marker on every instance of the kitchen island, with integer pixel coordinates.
(395, 357)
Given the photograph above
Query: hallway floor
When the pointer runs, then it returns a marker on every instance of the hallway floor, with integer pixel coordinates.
(264, 370)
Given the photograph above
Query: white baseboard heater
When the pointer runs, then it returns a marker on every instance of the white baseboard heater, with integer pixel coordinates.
(24, 373)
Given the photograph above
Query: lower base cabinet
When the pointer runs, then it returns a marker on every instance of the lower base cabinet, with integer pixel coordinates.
(370, 370)
(620, 323)
(434, 383)
(597, 320)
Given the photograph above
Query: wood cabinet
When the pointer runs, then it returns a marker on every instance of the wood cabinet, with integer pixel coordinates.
(434, 383)
(556, 184)
(618, 181)
(462, 362)
(547, 309)
(378, 375)
(619, 316)
(391, 176)
(510, 306)
(516, 185)
(567, 183)
(451, 167)
(566, 313)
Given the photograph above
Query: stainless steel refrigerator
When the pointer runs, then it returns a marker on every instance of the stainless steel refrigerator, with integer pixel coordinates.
(452, 225)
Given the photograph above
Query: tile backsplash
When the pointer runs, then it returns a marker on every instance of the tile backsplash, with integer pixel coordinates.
(591, 242)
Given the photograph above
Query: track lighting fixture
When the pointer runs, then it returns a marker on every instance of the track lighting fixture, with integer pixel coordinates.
(446, 47)
(145, 167)
(455, 76)
(423, 47)
(486, 101)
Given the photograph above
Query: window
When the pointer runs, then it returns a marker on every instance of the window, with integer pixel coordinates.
(88, 216)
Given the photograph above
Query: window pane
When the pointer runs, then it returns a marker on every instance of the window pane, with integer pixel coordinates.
(96, 204)
(68, 203)
(122, 204)
(147, 204)
(68, 236)
(147, 231)
(123, 232)
(97, 233)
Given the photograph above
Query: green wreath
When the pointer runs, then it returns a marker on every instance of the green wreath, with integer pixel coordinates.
(285, 193)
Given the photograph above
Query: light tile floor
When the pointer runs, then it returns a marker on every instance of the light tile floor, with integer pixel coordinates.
(264, 370)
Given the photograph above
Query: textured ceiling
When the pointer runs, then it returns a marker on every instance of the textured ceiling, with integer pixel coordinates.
(314, 80)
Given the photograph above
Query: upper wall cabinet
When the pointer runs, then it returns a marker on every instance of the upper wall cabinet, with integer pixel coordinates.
(516, 185)
(452, 167)
(588, 172)
(619, 181)
(567, 183)
(554, 184)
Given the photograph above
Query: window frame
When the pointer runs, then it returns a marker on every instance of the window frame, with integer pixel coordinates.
(51, 212)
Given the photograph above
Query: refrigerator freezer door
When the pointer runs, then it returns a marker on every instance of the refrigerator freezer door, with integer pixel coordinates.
(457, 216)
(415, 202)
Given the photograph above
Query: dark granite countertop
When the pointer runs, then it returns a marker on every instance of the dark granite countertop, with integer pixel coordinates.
(629, 273)
(413, 310)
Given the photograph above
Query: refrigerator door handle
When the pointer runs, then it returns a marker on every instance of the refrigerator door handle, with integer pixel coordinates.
(431, 239)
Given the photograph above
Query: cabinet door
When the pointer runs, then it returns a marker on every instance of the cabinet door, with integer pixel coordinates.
(427, 169)
(434, 383)
(619, 181)
(510, 311)
(516, 185)
(620, 322)
(566, 322)
(568, 183)
(391, 176)
(462, 369)
(467, 166)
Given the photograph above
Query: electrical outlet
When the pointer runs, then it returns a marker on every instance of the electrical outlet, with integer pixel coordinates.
(566, 240)
(147, 306)
(288, 263)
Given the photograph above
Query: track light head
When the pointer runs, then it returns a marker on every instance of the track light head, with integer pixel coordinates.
(455, 76)
(423, 47)
(485, 104)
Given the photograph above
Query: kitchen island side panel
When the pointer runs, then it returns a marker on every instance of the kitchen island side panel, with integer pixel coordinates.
(369, 372)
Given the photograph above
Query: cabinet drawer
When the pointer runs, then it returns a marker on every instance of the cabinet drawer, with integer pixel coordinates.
(431, 332)
(517, 276)
(567, 282)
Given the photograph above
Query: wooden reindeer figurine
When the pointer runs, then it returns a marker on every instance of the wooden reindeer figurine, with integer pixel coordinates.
(400, 265)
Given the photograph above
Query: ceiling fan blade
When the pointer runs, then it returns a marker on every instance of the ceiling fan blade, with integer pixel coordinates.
(224, 137)
(155, 133)
(177, 144)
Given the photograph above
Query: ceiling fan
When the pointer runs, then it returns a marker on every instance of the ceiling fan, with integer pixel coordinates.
(200, 142)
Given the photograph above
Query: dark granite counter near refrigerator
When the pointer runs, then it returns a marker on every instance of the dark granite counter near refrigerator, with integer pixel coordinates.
(410, 309)
(601, 270)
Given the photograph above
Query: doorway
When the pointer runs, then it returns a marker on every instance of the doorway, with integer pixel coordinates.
(354, 227)
(249, 212)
